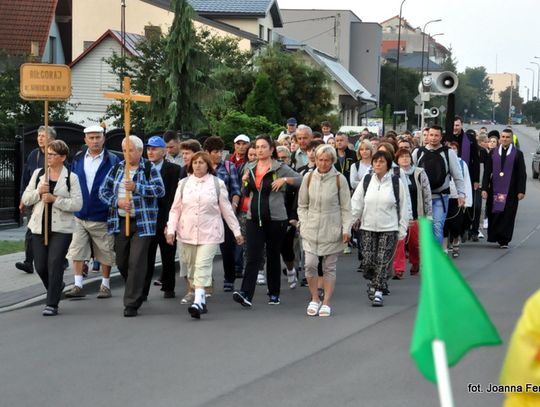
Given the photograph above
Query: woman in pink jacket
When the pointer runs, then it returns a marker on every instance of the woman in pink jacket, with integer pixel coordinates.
(196, 218)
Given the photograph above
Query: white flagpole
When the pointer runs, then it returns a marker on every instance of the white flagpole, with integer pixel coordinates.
(443, 376)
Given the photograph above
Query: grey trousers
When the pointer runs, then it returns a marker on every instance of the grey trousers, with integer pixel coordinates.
(132, 261)
(49, 263)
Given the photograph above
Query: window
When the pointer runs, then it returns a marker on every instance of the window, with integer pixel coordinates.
(261, 31)
(269, 33)
(52, 50)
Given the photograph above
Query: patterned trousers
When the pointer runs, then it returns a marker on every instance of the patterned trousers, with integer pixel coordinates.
(378, 249)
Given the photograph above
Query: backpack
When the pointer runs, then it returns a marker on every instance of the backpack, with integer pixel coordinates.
(395, 187)
(68, 179)
(216, 184)
(436, 166)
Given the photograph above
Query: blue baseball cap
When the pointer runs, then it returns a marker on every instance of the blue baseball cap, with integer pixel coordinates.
(292, 120)
(156, 141)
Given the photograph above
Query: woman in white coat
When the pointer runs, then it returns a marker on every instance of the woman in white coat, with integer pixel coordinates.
(62, 194)
(382, 213)
(324, 213)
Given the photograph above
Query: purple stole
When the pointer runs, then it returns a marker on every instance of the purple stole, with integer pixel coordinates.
(501, 177)
(466, 148)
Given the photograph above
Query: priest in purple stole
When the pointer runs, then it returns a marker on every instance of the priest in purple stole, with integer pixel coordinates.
(503, 186)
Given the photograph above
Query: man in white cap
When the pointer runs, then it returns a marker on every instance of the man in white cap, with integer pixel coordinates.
(92, 165)
(241, 144)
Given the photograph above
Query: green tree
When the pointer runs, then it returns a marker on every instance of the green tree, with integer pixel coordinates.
(263, 101)
(450, 63)
(184, 64)
(502, 110)
(531, 111)
(15, 111)
(474, 94)
(302, 90)
(408, 89)
(235, 123)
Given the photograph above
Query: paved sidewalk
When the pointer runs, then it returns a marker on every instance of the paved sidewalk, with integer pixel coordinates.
(19, 289)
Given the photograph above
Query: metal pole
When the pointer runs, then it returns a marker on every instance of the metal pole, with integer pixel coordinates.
(423, 40)
(396, 85)
(510, 102)
(538, 76)
(430, 37)
(532, 91)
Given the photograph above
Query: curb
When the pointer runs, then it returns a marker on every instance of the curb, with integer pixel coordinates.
(90, 283)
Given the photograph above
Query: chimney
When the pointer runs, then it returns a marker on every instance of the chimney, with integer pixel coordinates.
(152, 32)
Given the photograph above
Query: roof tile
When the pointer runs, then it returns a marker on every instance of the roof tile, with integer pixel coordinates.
(25, 21)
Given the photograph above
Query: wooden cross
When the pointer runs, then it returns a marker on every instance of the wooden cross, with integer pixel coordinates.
(127, 97)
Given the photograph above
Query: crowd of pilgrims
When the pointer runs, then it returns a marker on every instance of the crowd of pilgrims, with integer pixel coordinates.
(288, 206)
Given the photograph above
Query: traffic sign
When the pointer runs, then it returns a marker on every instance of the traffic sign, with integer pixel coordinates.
(418, 100)
(45, 82)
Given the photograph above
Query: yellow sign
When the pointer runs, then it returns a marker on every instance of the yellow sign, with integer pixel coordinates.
(45, 82)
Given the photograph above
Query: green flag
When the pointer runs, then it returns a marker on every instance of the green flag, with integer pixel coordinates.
(448, 309)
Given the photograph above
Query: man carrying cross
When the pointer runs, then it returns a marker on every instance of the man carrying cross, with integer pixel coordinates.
(145, 185)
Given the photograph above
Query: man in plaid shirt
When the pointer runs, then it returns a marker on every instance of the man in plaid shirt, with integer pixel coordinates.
(145, 185)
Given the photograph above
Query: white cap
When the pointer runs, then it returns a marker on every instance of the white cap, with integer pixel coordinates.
(93, 129)
(242, 137)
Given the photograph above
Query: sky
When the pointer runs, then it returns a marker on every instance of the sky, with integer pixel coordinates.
(502, 36)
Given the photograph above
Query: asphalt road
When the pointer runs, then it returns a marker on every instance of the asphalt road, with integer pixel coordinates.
(268, 355)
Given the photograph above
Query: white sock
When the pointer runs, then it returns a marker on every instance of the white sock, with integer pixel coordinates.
(79, 281)
(291, 272)
(200, 296)
(106, 282)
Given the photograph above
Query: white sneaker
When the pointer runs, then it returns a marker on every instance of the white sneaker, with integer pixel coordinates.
(347, 250)
(261, 279)
(481, 235)
(291, 278)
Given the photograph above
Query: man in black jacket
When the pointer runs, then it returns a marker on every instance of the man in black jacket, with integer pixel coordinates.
(170, 174)
(346, 156)
(470, 153)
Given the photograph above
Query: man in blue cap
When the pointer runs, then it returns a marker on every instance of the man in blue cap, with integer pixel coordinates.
(170, 174)
(291, 129)
(92, 165)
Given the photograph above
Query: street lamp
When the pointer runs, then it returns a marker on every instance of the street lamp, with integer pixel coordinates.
(396, 87)
(423, 40)
(430, 36)
(526, 87)
(537, 76)
(532, 70)
(537, 85)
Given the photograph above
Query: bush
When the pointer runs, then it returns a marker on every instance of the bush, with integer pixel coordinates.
(235, 123)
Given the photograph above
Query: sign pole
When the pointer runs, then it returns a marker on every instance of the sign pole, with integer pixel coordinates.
(46, 171)
(127, 97)
(45, 82)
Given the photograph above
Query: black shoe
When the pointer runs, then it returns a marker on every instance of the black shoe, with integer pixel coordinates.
(66, 264)
(239, 274)
(169, 294)
(196, 310)
(24, 266)
(474, 238)
(130, 312)
(304, 282)
(241, 299)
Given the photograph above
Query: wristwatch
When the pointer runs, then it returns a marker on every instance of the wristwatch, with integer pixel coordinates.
(285, 178)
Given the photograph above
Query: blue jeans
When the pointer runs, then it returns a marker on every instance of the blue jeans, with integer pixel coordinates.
(439, 216)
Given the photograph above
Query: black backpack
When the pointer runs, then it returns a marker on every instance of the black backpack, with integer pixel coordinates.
(436, 166)
(395, 186)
